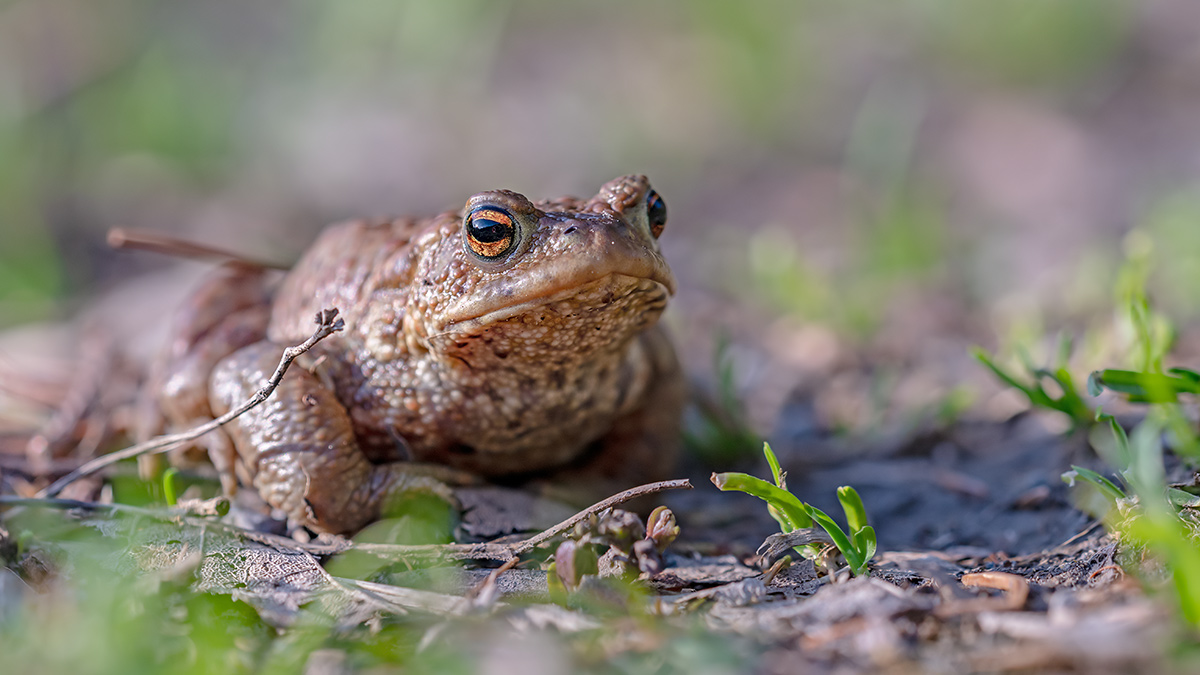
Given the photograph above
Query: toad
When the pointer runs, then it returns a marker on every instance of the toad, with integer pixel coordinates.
(508, 339)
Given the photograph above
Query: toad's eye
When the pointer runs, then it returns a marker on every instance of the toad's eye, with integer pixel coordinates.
(490, 232)
(656, 212)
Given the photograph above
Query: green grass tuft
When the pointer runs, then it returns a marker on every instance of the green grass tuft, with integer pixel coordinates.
(857, 547)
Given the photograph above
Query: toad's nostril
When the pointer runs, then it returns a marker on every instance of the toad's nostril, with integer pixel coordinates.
(570, 229)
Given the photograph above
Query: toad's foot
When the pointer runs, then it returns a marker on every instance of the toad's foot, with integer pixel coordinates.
(298, 448)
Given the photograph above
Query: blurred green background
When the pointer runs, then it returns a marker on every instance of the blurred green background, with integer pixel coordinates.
(837, 162)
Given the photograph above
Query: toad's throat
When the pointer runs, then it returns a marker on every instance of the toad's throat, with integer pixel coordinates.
(606, 291)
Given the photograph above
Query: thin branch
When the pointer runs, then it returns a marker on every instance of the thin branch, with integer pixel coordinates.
(327, 324)
(488, 585)
(619, 498)
(181, 248)
(505, 552)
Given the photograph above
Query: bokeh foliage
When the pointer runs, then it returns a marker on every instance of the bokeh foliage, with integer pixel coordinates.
(103, 110)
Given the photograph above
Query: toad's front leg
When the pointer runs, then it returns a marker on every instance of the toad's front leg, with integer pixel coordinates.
(298, 448)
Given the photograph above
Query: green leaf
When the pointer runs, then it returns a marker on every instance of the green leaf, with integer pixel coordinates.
(1123, 457)
(1186, 374)
(1182, 499)
(1069, 403)
(168, 482)
(791, 508)
(1147, 387)
(776, 472)
(1108, 488)
(984, 358)
(849, 551)
(864, 541)
(793, 514)
(1169, 537)
(856, 513)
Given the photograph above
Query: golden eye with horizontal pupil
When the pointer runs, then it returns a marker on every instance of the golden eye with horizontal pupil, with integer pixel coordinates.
(490, 232)
(656, 212)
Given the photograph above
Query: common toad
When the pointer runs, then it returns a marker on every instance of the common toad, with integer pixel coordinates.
(510, 338)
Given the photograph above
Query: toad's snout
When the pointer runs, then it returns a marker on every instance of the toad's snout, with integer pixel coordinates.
(596, 246)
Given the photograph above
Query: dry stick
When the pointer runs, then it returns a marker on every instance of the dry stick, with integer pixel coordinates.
(489, 582)
(490, 551)
(1091, 526)
(167, 245)
(327, 324)
(619, 498)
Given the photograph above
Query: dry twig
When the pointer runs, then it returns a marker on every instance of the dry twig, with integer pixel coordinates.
(327, 324)
(619, 498)
(508, 551)
(167, 245)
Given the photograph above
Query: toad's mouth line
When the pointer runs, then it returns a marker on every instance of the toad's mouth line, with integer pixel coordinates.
(624, 285)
